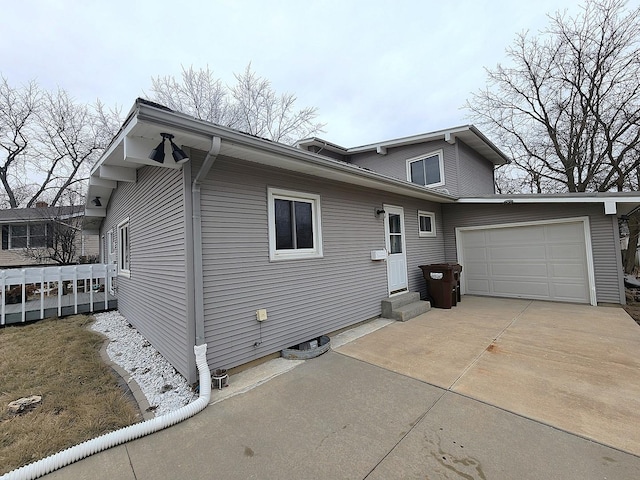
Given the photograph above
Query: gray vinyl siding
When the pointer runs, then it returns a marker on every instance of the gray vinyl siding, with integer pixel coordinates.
(394, 163)
(154, 298)
(607, 269)
(303, 298)
(475, 173)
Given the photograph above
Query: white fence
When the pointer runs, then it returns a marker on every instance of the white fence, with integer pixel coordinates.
(47, 290)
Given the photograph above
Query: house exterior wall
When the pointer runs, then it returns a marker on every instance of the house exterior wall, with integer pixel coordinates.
(154, 299)
(303, 298)
(466, 173)
(13, 258)
(604, 237)
(475, 174)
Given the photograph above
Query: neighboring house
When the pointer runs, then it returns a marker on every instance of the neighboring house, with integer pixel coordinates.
(246, 224)
(33, 230)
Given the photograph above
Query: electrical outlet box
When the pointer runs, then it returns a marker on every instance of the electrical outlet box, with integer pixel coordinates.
(379, 255)
(261, 315)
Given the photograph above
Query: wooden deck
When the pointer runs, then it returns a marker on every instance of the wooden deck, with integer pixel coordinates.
(37, 310)
(47, 292)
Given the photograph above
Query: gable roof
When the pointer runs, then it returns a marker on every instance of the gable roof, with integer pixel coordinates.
(469, 134)
(141, 133)
(25, 215)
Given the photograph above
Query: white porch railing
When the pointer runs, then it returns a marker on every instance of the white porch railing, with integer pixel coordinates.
(86, 285)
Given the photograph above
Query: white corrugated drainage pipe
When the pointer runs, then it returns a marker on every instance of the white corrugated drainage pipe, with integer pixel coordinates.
(78, 452)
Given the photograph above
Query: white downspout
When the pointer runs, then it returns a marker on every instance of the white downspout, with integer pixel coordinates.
(137, 430)
(198, 287)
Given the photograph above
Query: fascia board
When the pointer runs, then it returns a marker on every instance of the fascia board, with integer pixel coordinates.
(584, 198)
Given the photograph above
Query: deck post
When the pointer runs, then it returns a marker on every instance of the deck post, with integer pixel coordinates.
(90, 287)
(24, 295)
(42, 292)
(107, 281)
(3, 295)
(60, 285)
(75, 290)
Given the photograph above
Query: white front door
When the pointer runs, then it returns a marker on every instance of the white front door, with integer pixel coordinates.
(396, 249)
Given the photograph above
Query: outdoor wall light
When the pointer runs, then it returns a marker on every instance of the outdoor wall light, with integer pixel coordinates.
(96, 201)
(380, 212)
(157, 154)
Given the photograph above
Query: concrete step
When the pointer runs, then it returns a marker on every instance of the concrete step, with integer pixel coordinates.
(407, 312)
(404, 307)
(393, 303)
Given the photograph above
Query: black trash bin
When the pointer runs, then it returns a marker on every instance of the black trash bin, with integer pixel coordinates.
(441, 284)
(457, 270)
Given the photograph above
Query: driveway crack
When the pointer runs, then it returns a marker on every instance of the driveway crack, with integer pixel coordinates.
(415, 424)
(497, 337)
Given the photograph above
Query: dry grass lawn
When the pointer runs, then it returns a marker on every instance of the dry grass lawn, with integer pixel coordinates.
(81, 398)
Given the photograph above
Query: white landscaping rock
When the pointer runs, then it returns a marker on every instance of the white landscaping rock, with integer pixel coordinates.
(163, 386)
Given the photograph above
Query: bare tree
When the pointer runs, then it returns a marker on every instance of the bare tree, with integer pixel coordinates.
(48, 142)
(55, 233)
(18, 109)
(251, 105)
(568, 104)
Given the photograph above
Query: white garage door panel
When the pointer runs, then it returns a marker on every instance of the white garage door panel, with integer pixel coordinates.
(574, 251)
(520, 235)
(517, 252)
(475, 237)
(515, 289)
(478, 285)
(477, 269)
(566, 291)
(477, 253)
(541, 261)
(561, 232)
(567, 271)
(519, 271)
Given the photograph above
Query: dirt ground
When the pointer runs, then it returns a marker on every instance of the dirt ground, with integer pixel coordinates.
(634, 311)
(633, 304)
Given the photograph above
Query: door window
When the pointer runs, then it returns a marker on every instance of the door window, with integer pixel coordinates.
(395, 233)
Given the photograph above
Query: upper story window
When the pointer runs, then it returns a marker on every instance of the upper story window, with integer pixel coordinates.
(31, 235)
(124, 249)
(427, 170)
(294, 225)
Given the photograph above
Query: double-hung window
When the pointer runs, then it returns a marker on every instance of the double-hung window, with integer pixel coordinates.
(123, 249)
(427, 170)
(294, 225)
(32, 235)
(426, 224)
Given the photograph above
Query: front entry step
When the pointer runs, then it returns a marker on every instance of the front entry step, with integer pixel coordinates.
(404, 307)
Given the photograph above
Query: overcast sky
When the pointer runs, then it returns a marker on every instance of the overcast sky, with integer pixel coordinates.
(375, 70)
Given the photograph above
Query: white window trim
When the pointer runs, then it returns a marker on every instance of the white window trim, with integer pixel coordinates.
(293, 254)
(432, 233)
(440, 155)
(122, 271)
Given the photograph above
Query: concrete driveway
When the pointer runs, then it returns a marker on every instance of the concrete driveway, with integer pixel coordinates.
(573, 367)
(493, 389)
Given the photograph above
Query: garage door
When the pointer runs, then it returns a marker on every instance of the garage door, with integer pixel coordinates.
(541, 261)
